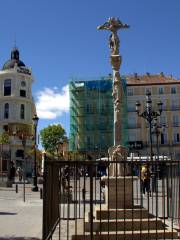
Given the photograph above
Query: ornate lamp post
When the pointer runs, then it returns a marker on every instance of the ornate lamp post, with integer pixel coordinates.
(35, 123)
(149, 114)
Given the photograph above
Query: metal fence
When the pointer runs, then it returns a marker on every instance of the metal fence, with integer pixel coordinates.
(82, 200)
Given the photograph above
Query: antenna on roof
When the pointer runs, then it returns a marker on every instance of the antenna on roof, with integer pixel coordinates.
(15, 45)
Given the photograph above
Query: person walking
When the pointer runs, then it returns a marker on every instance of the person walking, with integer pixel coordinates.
(145, 179)
(12, 172)
(20, 173)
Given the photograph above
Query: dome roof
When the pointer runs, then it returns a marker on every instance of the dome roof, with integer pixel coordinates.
(14, 60)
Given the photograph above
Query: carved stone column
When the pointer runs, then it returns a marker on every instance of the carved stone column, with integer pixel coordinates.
(117, 152)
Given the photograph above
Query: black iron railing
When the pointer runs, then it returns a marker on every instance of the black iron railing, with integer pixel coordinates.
(82, 200)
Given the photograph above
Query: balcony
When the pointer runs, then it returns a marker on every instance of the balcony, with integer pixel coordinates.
(19, 142)
(135, 145)
(176, 143)
(154, 144)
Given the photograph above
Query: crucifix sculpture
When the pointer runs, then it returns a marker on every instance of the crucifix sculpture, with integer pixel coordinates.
(118, 151)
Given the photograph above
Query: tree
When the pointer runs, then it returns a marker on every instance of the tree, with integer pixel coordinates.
(38, 155)
(51, 136)
(4, 138)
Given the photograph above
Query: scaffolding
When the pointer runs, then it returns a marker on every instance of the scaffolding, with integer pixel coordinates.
(92, 115)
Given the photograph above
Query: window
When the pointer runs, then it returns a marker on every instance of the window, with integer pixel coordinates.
(6, 110)
(147, 90)
(174, 104)
(5, 127)
(154, 139)
(175, 119)
(87, 108)
(132, 122)
(176, 138)
(22, 111)
(22, 93)
(102, 108)
(88, 140)
(20, 153)
(130, 92)
(173, 90)
(163, 138)
(164, 106)
(161, 90)
(131, 106)
(163, 120)
(23, 83)
(132, 136)
(7, 87)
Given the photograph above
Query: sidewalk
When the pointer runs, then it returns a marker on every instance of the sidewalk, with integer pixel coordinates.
(20, 220)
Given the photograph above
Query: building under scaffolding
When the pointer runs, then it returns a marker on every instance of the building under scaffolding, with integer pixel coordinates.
(92, 117)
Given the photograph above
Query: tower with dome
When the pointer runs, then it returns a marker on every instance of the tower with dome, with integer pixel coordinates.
(17, 109)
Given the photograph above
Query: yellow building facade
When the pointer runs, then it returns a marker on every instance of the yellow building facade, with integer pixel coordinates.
(163, 88)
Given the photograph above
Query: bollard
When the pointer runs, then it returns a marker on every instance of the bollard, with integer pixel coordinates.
(16, 188)
(83, 194)
(41, 193)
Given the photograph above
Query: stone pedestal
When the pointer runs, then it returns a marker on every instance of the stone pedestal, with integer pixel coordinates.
(118, 192)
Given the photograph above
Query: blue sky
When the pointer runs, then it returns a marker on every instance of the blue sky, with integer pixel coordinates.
(59, 40)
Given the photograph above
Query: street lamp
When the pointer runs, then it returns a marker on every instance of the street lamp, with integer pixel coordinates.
(35, 123)
(149, 115)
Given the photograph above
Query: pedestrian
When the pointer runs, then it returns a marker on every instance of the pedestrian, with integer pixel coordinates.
(19, 173)
(154, 177)
(12, 172)
(145, 179)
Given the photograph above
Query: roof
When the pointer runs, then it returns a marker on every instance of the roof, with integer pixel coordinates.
(148, 79)
(14, 60)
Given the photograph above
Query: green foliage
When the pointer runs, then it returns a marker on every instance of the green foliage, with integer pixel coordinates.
(4, 138)
(51, 136)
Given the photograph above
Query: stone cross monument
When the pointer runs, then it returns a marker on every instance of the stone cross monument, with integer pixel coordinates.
(117, 152)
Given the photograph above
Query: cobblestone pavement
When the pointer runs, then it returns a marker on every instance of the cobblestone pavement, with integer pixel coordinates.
(20, 220)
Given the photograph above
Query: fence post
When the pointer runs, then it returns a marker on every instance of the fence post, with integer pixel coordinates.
(41, 193)
(91, 200)
(83, 194)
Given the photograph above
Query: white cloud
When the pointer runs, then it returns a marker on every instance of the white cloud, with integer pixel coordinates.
(52, 103)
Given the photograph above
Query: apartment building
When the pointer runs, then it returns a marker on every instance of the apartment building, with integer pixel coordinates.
(91, 114)
(163, 88)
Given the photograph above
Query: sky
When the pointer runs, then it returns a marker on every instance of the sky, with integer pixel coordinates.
(59, 40)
